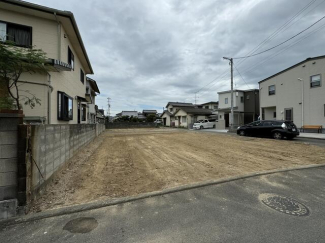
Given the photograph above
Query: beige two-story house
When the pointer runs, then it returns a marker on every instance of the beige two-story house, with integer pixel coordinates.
(296, 93)
(62, 90)
(168, 115)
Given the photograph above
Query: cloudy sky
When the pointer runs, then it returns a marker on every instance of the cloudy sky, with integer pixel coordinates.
(147, 52)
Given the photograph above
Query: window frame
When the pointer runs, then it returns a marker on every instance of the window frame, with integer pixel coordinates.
(274, 89)
(83, 112)
(63, 108)
(82, 76)
(241, 99)
(285, 115)
(71, 58)
(22, 25)
(226, 101)
(320, 80)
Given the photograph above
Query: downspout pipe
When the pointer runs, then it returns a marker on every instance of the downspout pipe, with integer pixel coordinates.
(59, 36)
(49, 91)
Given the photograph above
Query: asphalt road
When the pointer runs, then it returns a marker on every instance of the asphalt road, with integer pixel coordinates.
(236, 211)
(312, 141)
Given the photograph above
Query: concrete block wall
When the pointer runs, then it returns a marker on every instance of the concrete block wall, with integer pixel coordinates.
(122, 125)
(8, 163)
(50, 147)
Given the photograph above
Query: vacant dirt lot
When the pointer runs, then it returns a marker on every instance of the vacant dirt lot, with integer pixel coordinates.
(128, 162)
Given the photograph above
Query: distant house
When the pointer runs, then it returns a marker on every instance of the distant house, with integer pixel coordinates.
(284, 97)
(127, 113)
(246, 107)
(212, 105)
(171, 108)
(149, 112)
(91, 90)
(186, 116)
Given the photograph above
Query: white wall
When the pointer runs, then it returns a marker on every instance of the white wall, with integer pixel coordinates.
(289, 93)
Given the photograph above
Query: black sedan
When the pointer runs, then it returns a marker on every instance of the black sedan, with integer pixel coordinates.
(272, 128)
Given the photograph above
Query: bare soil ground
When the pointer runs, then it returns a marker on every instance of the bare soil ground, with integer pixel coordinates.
(131, 161)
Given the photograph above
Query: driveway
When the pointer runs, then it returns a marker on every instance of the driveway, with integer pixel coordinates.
(280, 207)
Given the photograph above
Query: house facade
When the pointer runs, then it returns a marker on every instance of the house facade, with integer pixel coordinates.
(296, 93)
(146, 113)
(171, 108)
(91, 92)
(187, 116)
(246, 107)
(212, 105)
(62, 91)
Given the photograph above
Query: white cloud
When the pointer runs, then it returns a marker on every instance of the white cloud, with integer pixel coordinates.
(146, 53)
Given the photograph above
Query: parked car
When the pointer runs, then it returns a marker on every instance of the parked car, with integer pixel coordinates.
(158, 121)
(200, 124)
(272, 128)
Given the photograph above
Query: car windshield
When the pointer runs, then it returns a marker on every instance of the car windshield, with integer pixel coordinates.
(199, 121)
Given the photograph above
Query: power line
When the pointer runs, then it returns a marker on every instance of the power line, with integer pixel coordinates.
(284, 49)
(274, 34)
(279, 30)
(242, 77)
(283, 41)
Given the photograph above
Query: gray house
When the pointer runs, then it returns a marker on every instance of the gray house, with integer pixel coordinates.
(296, 93)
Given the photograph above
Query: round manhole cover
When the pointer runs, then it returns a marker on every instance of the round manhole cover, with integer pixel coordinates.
(81, 225)
(284, 205)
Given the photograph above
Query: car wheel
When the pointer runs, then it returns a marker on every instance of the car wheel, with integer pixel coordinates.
(277, 135)
(242, 133)
(201, 127)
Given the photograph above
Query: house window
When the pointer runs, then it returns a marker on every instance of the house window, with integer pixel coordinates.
(83, 113)
(82, 76)
(70, 58)
(242, 99)
(215, 107)
(183, 119)
(65, 107)
(226, 100)
(272, 90)
(288, 114)
(21, 35)
(315, 81)
(274, 114)
(206, 107)
(171, 109)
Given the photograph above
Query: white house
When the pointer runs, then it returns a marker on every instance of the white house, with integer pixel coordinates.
(246, 107)
(296, 93)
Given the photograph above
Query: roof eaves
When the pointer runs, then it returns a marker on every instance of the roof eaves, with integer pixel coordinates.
(67, 14)
(306, 60)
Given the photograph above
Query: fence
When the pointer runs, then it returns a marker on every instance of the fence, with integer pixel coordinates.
(42, 151)
(8, 163)
(121, 125)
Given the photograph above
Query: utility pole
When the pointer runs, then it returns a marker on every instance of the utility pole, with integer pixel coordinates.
(108, 107)
(231, 62)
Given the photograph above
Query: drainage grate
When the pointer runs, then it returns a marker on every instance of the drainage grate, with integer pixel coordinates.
(285, 205)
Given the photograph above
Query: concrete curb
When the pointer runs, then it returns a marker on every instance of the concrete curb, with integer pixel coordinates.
(311, 138)
(111, 202)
